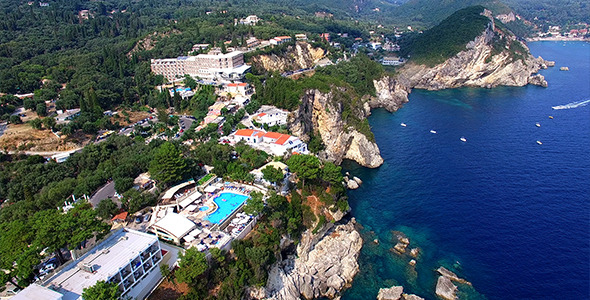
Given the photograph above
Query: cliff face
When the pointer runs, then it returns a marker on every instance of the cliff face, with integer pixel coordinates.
(326, 263)
(321, 113)
(481, 64)
(300, 56)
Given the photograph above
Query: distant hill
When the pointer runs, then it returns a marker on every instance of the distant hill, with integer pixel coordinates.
(447, 38)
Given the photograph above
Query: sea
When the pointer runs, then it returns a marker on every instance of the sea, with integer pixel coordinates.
(502, 211)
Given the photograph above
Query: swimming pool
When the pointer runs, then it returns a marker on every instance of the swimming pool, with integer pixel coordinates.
(226, 204)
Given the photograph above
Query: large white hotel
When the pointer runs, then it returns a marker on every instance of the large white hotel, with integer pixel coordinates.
(128, 258)
(212, 66)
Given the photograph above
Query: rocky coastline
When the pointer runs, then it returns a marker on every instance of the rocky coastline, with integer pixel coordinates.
(324, 265)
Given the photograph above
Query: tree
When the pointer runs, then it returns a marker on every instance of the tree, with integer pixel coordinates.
(41, 109)
(101, 291)
(192, 265)
(106, 209)
(272, 174)
(305, 166)
(36, 123)
(254, 204)
(49, 123)
(332, 173)
(167, 166)
(15, 119)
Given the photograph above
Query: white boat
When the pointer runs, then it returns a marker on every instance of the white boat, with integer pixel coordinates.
(463, 139)
(403, 124)
(537, 124)
(432, 131)
(539, 142)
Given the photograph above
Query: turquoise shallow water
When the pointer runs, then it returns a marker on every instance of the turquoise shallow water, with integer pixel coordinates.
(507, 214)
(226, 204)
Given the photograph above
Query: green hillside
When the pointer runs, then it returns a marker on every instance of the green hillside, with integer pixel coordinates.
(447, 38)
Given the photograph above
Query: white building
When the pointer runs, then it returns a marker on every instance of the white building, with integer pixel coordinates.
(279, 40)
(64, 117)
(129, 258)
(213, 66)
(242, 88)
(250, 20)
(271, 116)
(271, 142)
(173, 227)
(392, 61)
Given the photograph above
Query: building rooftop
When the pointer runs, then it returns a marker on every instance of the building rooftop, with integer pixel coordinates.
(175, 224)
(35, 292)
(106, 258)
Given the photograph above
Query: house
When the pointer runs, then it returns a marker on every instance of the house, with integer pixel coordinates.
(197, 47)
(375, 45)
(242, 88)
(301, 37)
(279, 40)
(325, 36)
(250, 20)
(392, 61)
(271, 116)
(61, 157)
(127, 257)
(271, 142)
(252, 42)
(64, 117)
(43, 4)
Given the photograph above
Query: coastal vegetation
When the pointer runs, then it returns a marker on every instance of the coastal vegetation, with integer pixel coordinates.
(448, 38)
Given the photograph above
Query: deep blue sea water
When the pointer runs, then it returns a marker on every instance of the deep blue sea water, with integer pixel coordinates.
(507, 214)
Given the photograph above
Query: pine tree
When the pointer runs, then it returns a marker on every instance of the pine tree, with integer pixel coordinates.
(167, 166)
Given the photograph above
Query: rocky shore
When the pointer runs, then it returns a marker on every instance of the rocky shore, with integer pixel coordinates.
(325, 264)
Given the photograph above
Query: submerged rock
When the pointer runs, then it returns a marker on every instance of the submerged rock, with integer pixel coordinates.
(392, 293)
(396, 293)
(445, 288)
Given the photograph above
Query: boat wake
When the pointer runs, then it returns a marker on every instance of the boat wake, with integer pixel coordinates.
(573, 105)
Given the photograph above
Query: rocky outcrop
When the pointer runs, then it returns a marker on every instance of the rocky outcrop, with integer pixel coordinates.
(396, 293)
(321, 114)
(391, 93)
(300, 56)
(445, 288)
(480, 65)
(325, 264)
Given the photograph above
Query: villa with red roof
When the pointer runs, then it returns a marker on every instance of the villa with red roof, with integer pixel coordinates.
(271, 142)
(270, 116)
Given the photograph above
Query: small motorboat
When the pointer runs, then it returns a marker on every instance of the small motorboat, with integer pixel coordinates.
(550, 117)
(537, 124)
(539, 142)
(463, 139)
(433, 131)
(403, 124)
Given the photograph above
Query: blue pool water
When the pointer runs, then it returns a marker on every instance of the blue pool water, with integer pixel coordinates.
(226, 204)
(204, 208)
(514, 214)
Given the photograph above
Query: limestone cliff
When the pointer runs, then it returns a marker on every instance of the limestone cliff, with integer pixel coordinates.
(300, 56)
(496, 57)
(321, 113)
(325, 264)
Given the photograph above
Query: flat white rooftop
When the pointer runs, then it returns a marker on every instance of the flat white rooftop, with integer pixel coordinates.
(35, 292)
(107, 258)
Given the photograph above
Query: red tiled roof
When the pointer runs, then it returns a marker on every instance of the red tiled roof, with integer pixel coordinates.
(121, 216)
(242, 84)
(283, 139)
(232, 84)
(244, 132)
(261, 114)
(272, 135)
(259, 134)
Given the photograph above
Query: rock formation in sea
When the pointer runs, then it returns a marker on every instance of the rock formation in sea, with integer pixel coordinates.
(325, 264)
(445, 288)
(396, 293)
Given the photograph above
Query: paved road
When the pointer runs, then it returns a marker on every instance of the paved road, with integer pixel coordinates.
(3, 128)
(185, 122)
(107, 191)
